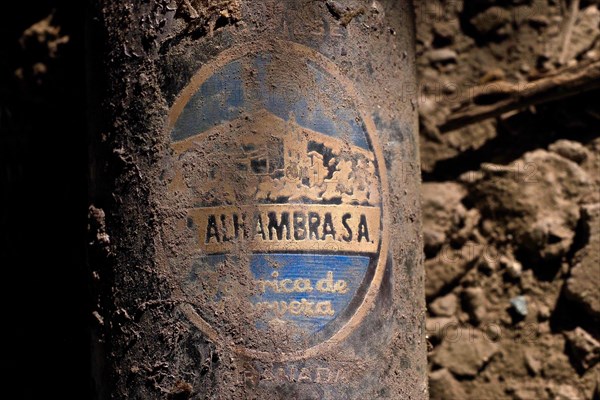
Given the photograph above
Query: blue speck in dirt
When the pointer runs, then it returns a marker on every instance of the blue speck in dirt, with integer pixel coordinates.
(519, 304)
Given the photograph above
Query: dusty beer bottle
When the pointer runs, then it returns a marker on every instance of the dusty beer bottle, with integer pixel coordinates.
(255, 220)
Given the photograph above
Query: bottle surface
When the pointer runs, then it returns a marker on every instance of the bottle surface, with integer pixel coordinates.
(264, 217)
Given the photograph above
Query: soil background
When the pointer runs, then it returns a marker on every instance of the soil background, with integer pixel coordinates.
(511, 204)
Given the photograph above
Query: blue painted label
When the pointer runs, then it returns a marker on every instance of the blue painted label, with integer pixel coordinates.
(307, 289)
(277, 173)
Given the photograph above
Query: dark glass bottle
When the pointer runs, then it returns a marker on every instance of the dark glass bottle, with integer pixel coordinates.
(263, 215)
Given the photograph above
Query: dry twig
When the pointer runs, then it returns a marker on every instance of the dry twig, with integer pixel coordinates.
(492, 100)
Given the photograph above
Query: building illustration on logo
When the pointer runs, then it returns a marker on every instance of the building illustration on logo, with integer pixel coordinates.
(277, 161)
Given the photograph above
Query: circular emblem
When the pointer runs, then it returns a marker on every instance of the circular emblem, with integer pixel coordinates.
(275, 233)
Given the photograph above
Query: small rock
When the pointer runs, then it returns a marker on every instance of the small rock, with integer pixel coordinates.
(438, 328)
(544, 328)
(181, 390)
(514, 269)
(470, 177)
(570, 150)
(533, 365)
(566, 392)
(444, 33)
(493, 332)
(442, 56)
(467, 354)
(582, 286)
(433, 240)
(525, 68)
(449, 266)
(583, 347)
(444, 306)
(496, 74)
(98, 317)
(491, 20)
(544, 312)
(487, 264)
(504, 31)
(519, 305)
(470, 222)
(446, 196)
(475, 304)
(537, 203)
(528, 281)
(525, 393)
(539, 21)
(443, 386)
(592, 55)
(449, 87)
(442, 204)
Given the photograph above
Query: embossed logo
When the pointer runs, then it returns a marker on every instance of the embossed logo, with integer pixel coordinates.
(274, 230)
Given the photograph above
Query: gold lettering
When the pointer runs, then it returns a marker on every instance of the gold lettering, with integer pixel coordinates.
(322, 375)
(308, 307)
(363, 229)
(279, 227)
(302, 286)
(341, 286)
(299, 226)
(211, 229)
(259, 229)
(295, 308)
(327, 285)
(267, 375)
(324, 308)
(251, 378)
(281, 308)
(302, 307)
(292, 373)
(274, 284)
(287, 286)
(281, 375)
(261, 285)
